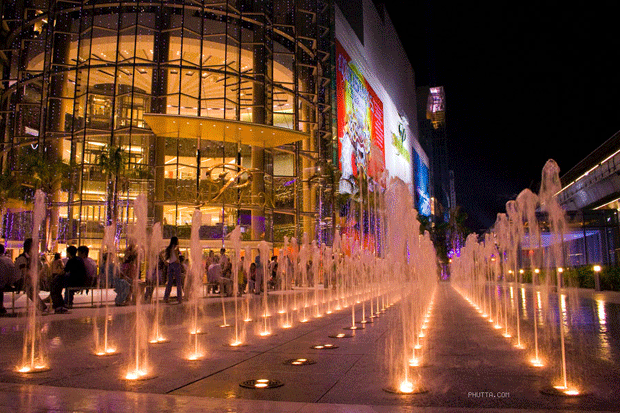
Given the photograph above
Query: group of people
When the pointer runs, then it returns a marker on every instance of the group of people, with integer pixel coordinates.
(78, 271)
(170, 269)
(219, 271)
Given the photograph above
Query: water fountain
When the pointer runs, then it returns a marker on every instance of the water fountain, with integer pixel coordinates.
(263, 248)
(316, 265)
(235, 239)
(409, 254)
(294, 256)
(155, 262)
(550, 186)
(352, 271)
(515, 235)
(34, 355)
(521, 227)
(139, 367)
(195, 350)
(528, 202)
(328, 265)
(304, 256)
(103, 347)
(247, 262)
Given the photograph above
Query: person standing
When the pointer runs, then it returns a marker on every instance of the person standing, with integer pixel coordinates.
(174, 270)
(8, 275)
(260, 273)
(252, 279)
(23, 263)
(224, 261)
(242, 277)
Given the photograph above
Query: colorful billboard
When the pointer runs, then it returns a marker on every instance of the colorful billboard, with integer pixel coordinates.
(360, 125)
(423, 198)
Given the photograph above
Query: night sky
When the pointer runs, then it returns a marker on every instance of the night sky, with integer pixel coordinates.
(524, 83)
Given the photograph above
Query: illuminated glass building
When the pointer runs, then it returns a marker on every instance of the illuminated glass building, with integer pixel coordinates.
(222, 105)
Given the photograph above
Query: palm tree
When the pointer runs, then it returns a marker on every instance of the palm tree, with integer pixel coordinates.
(9, 189)
(458, 229)
(51, 175)
(113, 161)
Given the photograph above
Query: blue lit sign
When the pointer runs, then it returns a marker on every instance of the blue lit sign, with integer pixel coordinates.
(423, 198)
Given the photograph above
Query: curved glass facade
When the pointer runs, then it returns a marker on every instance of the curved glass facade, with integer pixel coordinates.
(82, 75)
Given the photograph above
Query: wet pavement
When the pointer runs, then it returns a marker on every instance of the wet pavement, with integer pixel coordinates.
(467, 364)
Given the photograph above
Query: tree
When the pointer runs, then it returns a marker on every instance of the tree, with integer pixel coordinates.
(458, 230)
(51, 175)
(10, 188)
(113, 161)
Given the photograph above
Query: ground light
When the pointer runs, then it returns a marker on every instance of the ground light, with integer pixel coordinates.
(341, 335)
(138, 374)
(405, 387)
(536, 362)
(563, 391)
(261, 384)
(110, 351)
(197, 355)
(324, 347)
(299, 362)
(37, 368)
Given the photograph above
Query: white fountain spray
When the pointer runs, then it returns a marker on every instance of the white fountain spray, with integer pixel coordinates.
(155, 246)
(139, 367)
(263, 248)
(235, 239)
(108, 251)
(304, 256)
(516, 234)
(195, 282)
(247, 262)
(550, 186)
(528, 201)
(316, 265)
(34, 357)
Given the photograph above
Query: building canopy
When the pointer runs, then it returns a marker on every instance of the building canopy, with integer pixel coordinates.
(223, 130)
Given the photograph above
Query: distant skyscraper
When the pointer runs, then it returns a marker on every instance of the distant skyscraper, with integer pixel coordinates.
(433, 138)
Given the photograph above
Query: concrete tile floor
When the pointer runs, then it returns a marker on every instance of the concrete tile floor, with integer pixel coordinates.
(463, 357)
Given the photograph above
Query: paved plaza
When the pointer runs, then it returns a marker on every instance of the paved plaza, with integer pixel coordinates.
(467, 364)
